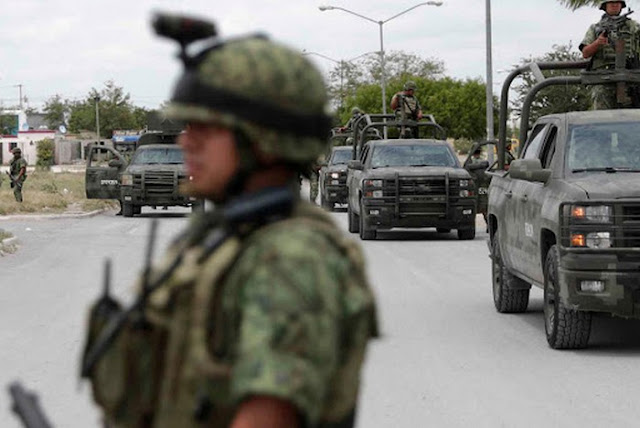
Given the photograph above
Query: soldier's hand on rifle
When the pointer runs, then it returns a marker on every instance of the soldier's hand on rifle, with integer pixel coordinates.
(602, 39)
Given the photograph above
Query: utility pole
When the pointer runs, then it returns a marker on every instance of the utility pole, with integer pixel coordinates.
(20, 87)
(490, 135)
(97, 100)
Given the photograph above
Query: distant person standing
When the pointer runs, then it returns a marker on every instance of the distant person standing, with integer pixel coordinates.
(405, 101)
(17, 173)
(597, 47)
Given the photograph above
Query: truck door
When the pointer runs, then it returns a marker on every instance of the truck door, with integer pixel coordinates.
(531, 197)
(518, 229)
(104, 165)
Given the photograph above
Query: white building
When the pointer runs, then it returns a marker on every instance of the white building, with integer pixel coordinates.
(17, 132)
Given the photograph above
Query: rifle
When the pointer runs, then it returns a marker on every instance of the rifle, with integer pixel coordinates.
(14, 181)
(261, 207)
(27, 408)
(610, 26)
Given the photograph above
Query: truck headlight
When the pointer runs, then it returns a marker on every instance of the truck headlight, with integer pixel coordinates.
(335, 175)
(596, 240)
(373, 183)
(464, 183)
(466, 193)
(594, 213)
(374, 194)
(126, 179)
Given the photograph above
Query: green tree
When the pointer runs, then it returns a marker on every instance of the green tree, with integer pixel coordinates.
(115, 111)
(56, 110)
(45, 153)
(575, 4)
(554, 99)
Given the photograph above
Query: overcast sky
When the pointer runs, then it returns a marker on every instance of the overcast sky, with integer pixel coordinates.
(68, 47)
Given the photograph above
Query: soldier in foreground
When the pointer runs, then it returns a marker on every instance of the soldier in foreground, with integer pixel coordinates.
(260, 314)
(17, 173)
(598, 45)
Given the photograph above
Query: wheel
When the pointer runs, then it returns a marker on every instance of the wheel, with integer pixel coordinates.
(565, 328)
(442, 230)
(467, 234)
(325, 204)
(137, 209)
(365, 234)
(510, 294)
(353, 220)
(127, 209)
(197, 207)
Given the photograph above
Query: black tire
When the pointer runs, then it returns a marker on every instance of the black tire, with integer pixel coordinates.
(137, 209)
(353, 221)
(510, 293)
(442, 230)
(565, 328)
(197, 207)
(127, 209)
(365, 234)
(325, 204)
(467, 234)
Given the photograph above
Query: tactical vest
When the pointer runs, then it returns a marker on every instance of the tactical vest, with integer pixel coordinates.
(176, 372)
(409, 105)
(605, 57)
(15, 165)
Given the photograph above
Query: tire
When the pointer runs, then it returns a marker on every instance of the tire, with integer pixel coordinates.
(197, 207)
(365, 234)
(137, 209)
(326, 205)
(442, 230)
(127, 209)
(509, 294)
(353, 221)
(467, 234)
(565, 328)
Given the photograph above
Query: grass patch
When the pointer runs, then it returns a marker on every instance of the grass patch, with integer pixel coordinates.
(48, 192)
(4, 235)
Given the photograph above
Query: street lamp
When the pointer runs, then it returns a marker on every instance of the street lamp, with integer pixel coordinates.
(97, 100)
(380, 24)
(341, 63)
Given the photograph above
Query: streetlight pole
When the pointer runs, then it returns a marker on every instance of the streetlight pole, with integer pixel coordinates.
(380, 24)
(97, 100)
(490, 134)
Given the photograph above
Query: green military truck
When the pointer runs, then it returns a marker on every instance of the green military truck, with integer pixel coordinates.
(333, 177)
(565, 216)
(409, 183)
(151, 178)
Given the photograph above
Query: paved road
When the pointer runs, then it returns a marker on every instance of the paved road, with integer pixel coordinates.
(446, 358)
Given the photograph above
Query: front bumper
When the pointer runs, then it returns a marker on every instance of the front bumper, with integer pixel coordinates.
(618, 270)
(379, 215)
(336, 194)
(138, 197)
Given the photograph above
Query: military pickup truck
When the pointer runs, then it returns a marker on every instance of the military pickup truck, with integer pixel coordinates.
(333, 177)
(151, 178)
(565, 217)
(409, 183)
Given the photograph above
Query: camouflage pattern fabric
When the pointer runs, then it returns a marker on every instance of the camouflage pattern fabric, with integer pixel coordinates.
(286, 312)
(15, 165)
(313, 185)
(410, 105)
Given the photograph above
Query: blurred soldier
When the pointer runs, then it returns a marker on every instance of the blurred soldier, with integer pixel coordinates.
(314, 175)
(596, 46)
(17, 173)
(263, 318)
(406, 102)
(356, 113)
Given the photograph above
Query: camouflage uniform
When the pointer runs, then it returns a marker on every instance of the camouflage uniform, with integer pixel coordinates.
(280, 308)
(15, 165)
(604, 96)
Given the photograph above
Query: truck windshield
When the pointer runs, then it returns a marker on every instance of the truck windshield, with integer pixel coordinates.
(157, 155)
(411, 155)
(340, 157)
(604, 147)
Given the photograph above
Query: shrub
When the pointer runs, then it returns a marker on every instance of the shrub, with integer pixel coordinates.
(45, 151)
(462, 146)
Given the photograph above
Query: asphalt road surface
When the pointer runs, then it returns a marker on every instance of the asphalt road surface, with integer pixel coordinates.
(445, 358)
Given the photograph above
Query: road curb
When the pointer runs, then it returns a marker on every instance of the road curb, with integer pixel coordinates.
(51, 216)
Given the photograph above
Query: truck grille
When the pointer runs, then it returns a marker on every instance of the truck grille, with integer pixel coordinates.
(157, 183)
(423, 195)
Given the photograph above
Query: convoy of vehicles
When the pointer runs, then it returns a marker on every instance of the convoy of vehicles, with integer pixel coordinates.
(151, 178)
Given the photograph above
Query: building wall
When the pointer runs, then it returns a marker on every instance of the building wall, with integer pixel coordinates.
(27, 142)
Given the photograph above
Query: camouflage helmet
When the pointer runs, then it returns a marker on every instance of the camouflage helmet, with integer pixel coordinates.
(603, 4)
(410, 84)
(269, 92)
(355, 111)
(16, 151)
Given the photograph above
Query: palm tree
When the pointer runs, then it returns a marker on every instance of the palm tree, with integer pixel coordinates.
(575, 4)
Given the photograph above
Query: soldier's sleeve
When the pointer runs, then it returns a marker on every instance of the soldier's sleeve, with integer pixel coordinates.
(589, 37)
(288, 345)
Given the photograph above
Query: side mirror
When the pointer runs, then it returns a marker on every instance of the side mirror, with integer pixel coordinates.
(477, 166)
(529, 170)
(116, 163)
(355, 164)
